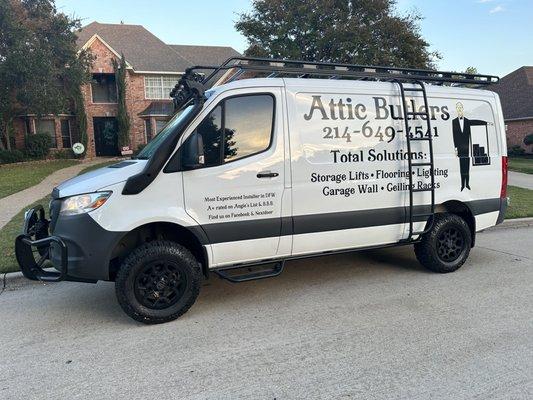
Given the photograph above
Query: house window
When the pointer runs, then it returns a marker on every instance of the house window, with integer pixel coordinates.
(148, 130)
(66, 136)
(104, 88)
(159, 125)
(159, 87)
(47, 126)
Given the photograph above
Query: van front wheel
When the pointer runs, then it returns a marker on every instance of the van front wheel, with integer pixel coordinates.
(446, 246)
(158, 282)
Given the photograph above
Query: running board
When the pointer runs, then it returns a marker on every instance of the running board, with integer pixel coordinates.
(252, 273)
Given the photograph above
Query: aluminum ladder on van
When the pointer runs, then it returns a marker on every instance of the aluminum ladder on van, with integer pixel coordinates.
(427, 136)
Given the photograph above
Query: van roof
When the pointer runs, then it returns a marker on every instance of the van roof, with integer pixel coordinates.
(310, 84)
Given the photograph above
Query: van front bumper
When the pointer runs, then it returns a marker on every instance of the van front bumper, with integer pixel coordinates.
(79, 248)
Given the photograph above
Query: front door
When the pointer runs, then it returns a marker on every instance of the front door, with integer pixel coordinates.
(106, 136)
(237, 195)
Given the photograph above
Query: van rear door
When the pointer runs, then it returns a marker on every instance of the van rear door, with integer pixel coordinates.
(236, 196)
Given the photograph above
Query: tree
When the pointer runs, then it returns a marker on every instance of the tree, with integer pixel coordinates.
(366, 32)
(81, 117)
(123, 119)
(40, 67)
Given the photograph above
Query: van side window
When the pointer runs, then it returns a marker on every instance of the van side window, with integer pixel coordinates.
(243, 123)
(247, 125)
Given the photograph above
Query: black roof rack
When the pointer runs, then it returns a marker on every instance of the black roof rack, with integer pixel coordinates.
(196, 80)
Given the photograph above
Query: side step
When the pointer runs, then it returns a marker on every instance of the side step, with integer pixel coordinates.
(251, 273)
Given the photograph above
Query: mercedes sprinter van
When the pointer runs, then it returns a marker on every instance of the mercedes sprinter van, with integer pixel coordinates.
(283, 160)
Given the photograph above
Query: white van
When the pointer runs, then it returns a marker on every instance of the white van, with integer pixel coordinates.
(286, 159)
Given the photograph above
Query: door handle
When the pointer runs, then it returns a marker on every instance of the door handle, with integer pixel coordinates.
(267, 174)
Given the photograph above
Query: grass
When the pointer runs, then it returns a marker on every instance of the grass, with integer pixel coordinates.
(17, 177)
(521, 203)
(97, 166)
(521, 164)
(9, 232)
(12, 229)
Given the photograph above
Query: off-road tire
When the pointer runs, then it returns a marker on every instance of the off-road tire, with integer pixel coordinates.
(134, 265)
(427, 250)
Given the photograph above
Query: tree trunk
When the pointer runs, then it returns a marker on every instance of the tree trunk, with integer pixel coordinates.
(6, 135)
(3, 136)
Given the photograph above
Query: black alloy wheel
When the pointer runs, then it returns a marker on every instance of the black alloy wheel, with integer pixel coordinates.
(160, 284)
(446, 246)
(450, 244)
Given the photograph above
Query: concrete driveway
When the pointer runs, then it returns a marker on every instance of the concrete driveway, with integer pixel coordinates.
(521, 180)
(370, 325)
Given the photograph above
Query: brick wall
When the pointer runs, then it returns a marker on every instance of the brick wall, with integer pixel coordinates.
(517, 131)
(102, 64)
(135, 101)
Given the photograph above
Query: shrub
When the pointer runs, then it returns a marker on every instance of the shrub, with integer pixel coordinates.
(64, 154)
(516, 150)
(38, 145)
(11, 156)
(528, 140)
(139, 149)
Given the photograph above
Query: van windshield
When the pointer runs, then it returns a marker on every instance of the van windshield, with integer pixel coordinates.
(154, 144)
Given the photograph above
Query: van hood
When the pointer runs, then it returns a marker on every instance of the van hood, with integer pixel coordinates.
(100, 178)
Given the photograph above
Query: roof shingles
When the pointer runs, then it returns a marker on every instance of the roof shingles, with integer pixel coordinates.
(516, 93)
(146, 52)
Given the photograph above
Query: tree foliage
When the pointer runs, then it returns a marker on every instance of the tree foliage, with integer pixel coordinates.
(366, 32)
(40, 67)
(123, 119)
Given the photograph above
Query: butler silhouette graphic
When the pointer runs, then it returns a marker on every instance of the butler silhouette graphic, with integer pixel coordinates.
(461, 140)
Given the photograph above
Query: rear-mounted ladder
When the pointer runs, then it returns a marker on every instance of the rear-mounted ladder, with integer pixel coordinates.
(426, 137)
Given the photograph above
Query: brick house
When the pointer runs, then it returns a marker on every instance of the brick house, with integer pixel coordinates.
(516, 95)
(153, 68)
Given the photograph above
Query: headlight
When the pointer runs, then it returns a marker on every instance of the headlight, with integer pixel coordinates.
(83, 203)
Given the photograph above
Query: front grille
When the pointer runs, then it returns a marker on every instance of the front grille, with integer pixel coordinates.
(55, 206)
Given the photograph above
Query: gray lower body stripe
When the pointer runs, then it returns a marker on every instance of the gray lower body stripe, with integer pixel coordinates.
(273, 227)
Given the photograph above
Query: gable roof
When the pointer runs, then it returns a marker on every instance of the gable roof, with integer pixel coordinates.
(516, 93)
(143, 50)
(205, 55)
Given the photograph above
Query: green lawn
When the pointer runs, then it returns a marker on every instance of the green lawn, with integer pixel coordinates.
(17, 177)
(521, 203)
(9, 232)
(521, 164)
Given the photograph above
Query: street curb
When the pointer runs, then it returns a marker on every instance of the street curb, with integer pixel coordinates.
(514, 223)
(16, 279)
(13, 280)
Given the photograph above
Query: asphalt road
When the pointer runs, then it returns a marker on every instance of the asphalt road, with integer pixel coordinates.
(369, 325)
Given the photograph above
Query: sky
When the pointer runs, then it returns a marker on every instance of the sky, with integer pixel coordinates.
(495, 36)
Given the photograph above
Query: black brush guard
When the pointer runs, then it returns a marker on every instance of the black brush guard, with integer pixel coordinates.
(35, 240)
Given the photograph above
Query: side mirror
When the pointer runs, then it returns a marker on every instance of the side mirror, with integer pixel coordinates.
(193, 152)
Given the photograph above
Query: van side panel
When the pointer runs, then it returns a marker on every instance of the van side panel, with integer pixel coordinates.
(338, 199)
(350, 162)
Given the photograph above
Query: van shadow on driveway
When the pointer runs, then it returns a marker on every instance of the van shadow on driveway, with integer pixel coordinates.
(312, 276)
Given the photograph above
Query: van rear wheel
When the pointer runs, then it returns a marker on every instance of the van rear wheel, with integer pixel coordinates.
(158, 282)
(446, 246)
